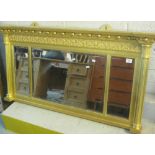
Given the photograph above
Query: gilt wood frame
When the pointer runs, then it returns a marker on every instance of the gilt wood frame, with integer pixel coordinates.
(107, 43)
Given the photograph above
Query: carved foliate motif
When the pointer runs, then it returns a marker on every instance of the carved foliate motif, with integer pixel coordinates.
(78, 42)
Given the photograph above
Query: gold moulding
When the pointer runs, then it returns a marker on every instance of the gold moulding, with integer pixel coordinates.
(121, 44)
(113, 35)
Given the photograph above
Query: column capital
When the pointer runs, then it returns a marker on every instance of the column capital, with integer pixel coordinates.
(6, 39)
(146, 50)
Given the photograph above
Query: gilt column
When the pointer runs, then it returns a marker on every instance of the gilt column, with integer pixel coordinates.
(9, 70)
(141, 87)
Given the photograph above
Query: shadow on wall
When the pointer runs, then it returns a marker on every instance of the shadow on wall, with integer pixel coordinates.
(3, 68)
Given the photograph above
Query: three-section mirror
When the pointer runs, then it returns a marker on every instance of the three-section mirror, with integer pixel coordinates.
(75, 79)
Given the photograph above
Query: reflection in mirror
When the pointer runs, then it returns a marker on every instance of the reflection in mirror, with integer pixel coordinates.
(69, 78)
(121, 79)
(21, 67)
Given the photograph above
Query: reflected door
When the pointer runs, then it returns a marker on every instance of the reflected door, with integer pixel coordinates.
(120, 86)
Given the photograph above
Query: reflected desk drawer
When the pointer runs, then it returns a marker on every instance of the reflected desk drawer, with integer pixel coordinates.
(77, 69)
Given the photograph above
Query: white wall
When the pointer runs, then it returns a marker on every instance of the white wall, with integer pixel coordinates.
(117, 25)
(123, 26)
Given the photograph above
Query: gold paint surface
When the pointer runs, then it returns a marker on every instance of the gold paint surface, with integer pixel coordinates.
(107, 43)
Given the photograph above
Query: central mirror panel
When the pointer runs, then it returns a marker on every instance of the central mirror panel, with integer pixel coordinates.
(69, 78)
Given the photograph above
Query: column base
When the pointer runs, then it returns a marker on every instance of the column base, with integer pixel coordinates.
(136, 130)
(8, 98)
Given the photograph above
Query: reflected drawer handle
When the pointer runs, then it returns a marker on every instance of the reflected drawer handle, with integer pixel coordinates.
(77, 83)
(75, 97)
(78, 70)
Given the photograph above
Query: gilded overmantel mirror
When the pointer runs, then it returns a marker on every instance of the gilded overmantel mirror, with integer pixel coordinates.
(93, 74)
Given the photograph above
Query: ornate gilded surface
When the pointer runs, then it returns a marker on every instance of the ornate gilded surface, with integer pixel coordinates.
(78, 33)
(74, 42)
(123, 44)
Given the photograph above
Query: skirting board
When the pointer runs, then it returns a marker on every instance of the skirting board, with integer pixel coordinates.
(26, 119)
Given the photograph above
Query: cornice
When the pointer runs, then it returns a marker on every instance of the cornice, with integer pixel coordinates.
(146, 38)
